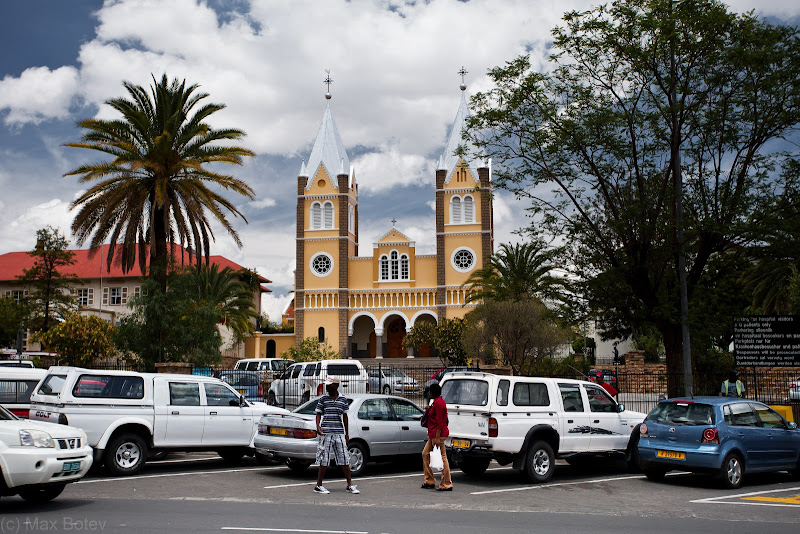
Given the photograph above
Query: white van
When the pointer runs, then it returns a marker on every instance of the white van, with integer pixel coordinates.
(530, 421)
(267, 368)
(126, 415)
(16, 386)
(303, 380)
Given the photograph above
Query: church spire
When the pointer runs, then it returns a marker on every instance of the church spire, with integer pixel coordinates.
(449, 159)
(328, 149)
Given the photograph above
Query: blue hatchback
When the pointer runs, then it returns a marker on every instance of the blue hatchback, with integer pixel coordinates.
(727, 437)
(246, 383)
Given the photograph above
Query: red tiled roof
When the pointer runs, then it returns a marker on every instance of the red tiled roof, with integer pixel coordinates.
(12, 264)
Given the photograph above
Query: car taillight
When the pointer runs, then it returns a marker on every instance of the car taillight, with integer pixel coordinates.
(643, 430)
(319, 389)
(710, 435)
(367, 387)
(260, 391)
(301, 433)
(263, 429)
(62, 419)
(492, 427)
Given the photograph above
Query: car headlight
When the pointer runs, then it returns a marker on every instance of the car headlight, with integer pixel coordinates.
(35, 438)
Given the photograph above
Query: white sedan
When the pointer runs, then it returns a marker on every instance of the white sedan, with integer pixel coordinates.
(381, 427)
(39, 459)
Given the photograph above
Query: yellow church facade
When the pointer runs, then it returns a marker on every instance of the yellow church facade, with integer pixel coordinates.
(364, 305)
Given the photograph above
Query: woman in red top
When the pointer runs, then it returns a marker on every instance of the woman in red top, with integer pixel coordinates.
(437, 431)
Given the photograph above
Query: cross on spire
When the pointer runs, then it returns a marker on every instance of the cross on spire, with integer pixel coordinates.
(328, 82)
(394, 221)
(463, 72)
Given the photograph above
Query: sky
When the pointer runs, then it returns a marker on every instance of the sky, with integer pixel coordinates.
(395, 94)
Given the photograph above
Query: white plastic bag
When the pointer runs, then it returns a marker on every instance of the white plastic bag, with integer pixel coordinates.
(436, 459)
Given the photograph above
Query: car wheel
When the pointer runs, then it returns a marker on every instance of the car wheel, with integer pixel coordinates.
(232, 455)
(125, 455)
(298, 466)
(358, 458)
(473, 467)
(654, 474)
(541, 462)
(42, 495)
(387, 389)
(732, 471)
(271, 399)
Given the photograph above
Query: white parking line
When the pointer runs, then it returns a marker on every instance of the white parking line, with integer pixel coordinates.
(356, 480)
(259, 529)
(182, 474)
(540, 486)
(722, 499)
(167, 462)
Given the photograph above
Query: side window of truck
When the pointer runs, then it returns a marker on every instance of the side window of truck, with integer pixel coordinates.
(502, 393)
(531, 394)
(219, 395)
(184, 394)
(599, 400)
(571, 397)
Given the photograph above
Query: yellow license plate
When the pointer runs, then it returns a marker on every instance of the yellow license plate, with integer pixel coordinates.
(242, 391)
(671, 454)
(278, 431)
(461, 443)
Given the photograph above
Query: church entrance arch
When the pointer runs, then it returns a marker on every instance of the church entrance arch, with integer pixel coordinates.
(395, 333)
(425, 350)
(362, 341)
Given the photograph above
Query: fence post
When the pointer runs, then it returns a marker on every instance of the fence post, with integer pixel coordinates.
(380, 378)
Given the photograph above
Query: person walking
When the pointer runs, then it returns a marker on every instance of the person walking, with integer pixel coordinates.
(437, 431)
(732, 387)
(333, 434)
(601, 381)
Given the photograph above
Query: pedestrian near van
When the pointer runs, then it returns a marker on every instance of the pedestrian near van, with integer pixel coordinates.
(333, 434)
(732, 387)
(437, 431)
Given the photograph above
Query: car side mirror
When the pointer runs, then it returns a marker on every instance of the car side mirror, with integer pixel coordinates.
(242, 401)
(620, 408)
(791, 425)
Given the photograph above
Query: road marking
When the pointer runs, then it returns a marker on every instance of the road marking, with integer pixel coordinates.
(260, 529)
(756, 498)
(539, 486)
(182, 474)
(355, 480)
(165, 462)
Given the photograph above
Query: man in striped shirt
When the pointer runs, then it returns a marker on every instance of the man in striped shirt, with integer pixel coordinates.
(333, 432)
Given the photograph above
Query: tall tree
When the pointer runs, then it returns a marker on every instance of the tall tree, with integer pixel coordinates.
(49, 299)
(593, 145)
(158, 187)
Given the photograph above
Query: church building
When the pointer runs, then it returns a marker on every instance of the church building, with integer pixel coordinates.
(364, 305)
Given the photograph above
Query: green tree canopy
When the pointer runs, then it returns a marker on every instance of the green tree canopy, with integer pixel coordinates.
(310, 350)
(161, 182)
(49, 299)
(80, 340)
(445, 339)
(632, 86)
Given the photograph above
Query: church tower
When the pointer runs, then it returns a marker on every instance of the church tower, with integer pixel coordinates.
(327, 236)
(464, 215)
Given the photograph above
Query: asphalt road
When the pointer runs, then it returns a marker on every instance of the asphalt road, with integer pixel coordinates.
(199, 493)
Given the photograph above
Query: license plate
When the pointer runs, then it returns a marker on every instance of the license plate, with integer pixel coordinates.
(671, 454)
(410, 388)
(461, 443)
(277, 431)
(242, 391)
(71, 467)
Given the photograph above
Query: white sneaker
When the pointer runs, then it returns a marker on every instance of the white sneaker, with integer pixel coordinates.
(352, 489)
(322, 489)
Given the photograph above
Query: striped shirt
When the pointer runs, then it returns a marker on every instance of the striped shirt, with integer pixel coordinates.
(332, 410)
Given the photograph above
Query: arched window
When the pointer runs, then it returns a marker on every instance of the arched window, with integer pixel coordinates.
(404, 267)
(455, 210)
(316, 216)
(469, 209)
(327, 209)
(351, 219)
(321, 333)
(384, 267)
(395, 266)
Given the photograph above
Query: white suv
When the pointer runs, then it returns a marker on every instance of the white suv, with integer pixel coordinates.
(530, 421)
(267, 368)
(303, 380)
(38, 459)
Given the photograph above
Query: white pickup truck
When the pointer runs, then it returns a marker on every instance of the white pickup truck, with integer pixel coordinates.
(127, 415)
(529, 422)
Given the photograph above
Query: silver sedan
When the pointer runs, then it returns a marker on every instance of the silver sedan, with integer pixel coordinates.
(381, 427)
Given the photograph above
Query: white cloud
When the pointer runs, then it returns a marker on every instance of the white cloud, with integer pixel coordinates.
(261, 204)
(387, 168)
(273, 305)
(38, 94)
(21, 228)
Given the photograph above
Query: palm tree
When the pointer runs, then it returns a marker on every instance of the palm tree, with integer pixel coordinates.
(227, 292)
(156, 189)
(517, 272)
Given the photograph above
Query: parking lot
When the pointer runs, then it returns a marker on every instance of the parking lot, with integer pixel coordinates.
(200, 493)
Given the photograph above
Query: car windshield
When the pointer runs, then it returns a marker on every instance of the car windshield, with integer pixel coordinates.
(52, 385)
(5, 415)
(682, 413)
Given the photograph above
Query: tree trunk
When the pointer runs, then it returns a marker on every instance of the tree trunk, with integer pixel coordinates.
(671, 334)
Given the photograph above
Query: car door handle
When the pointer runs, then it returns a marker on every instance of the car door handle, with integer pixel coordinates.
(597, 420)
(405, 428)
(212, 413)
(176, 413)
(364, 428)
(570, 421)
